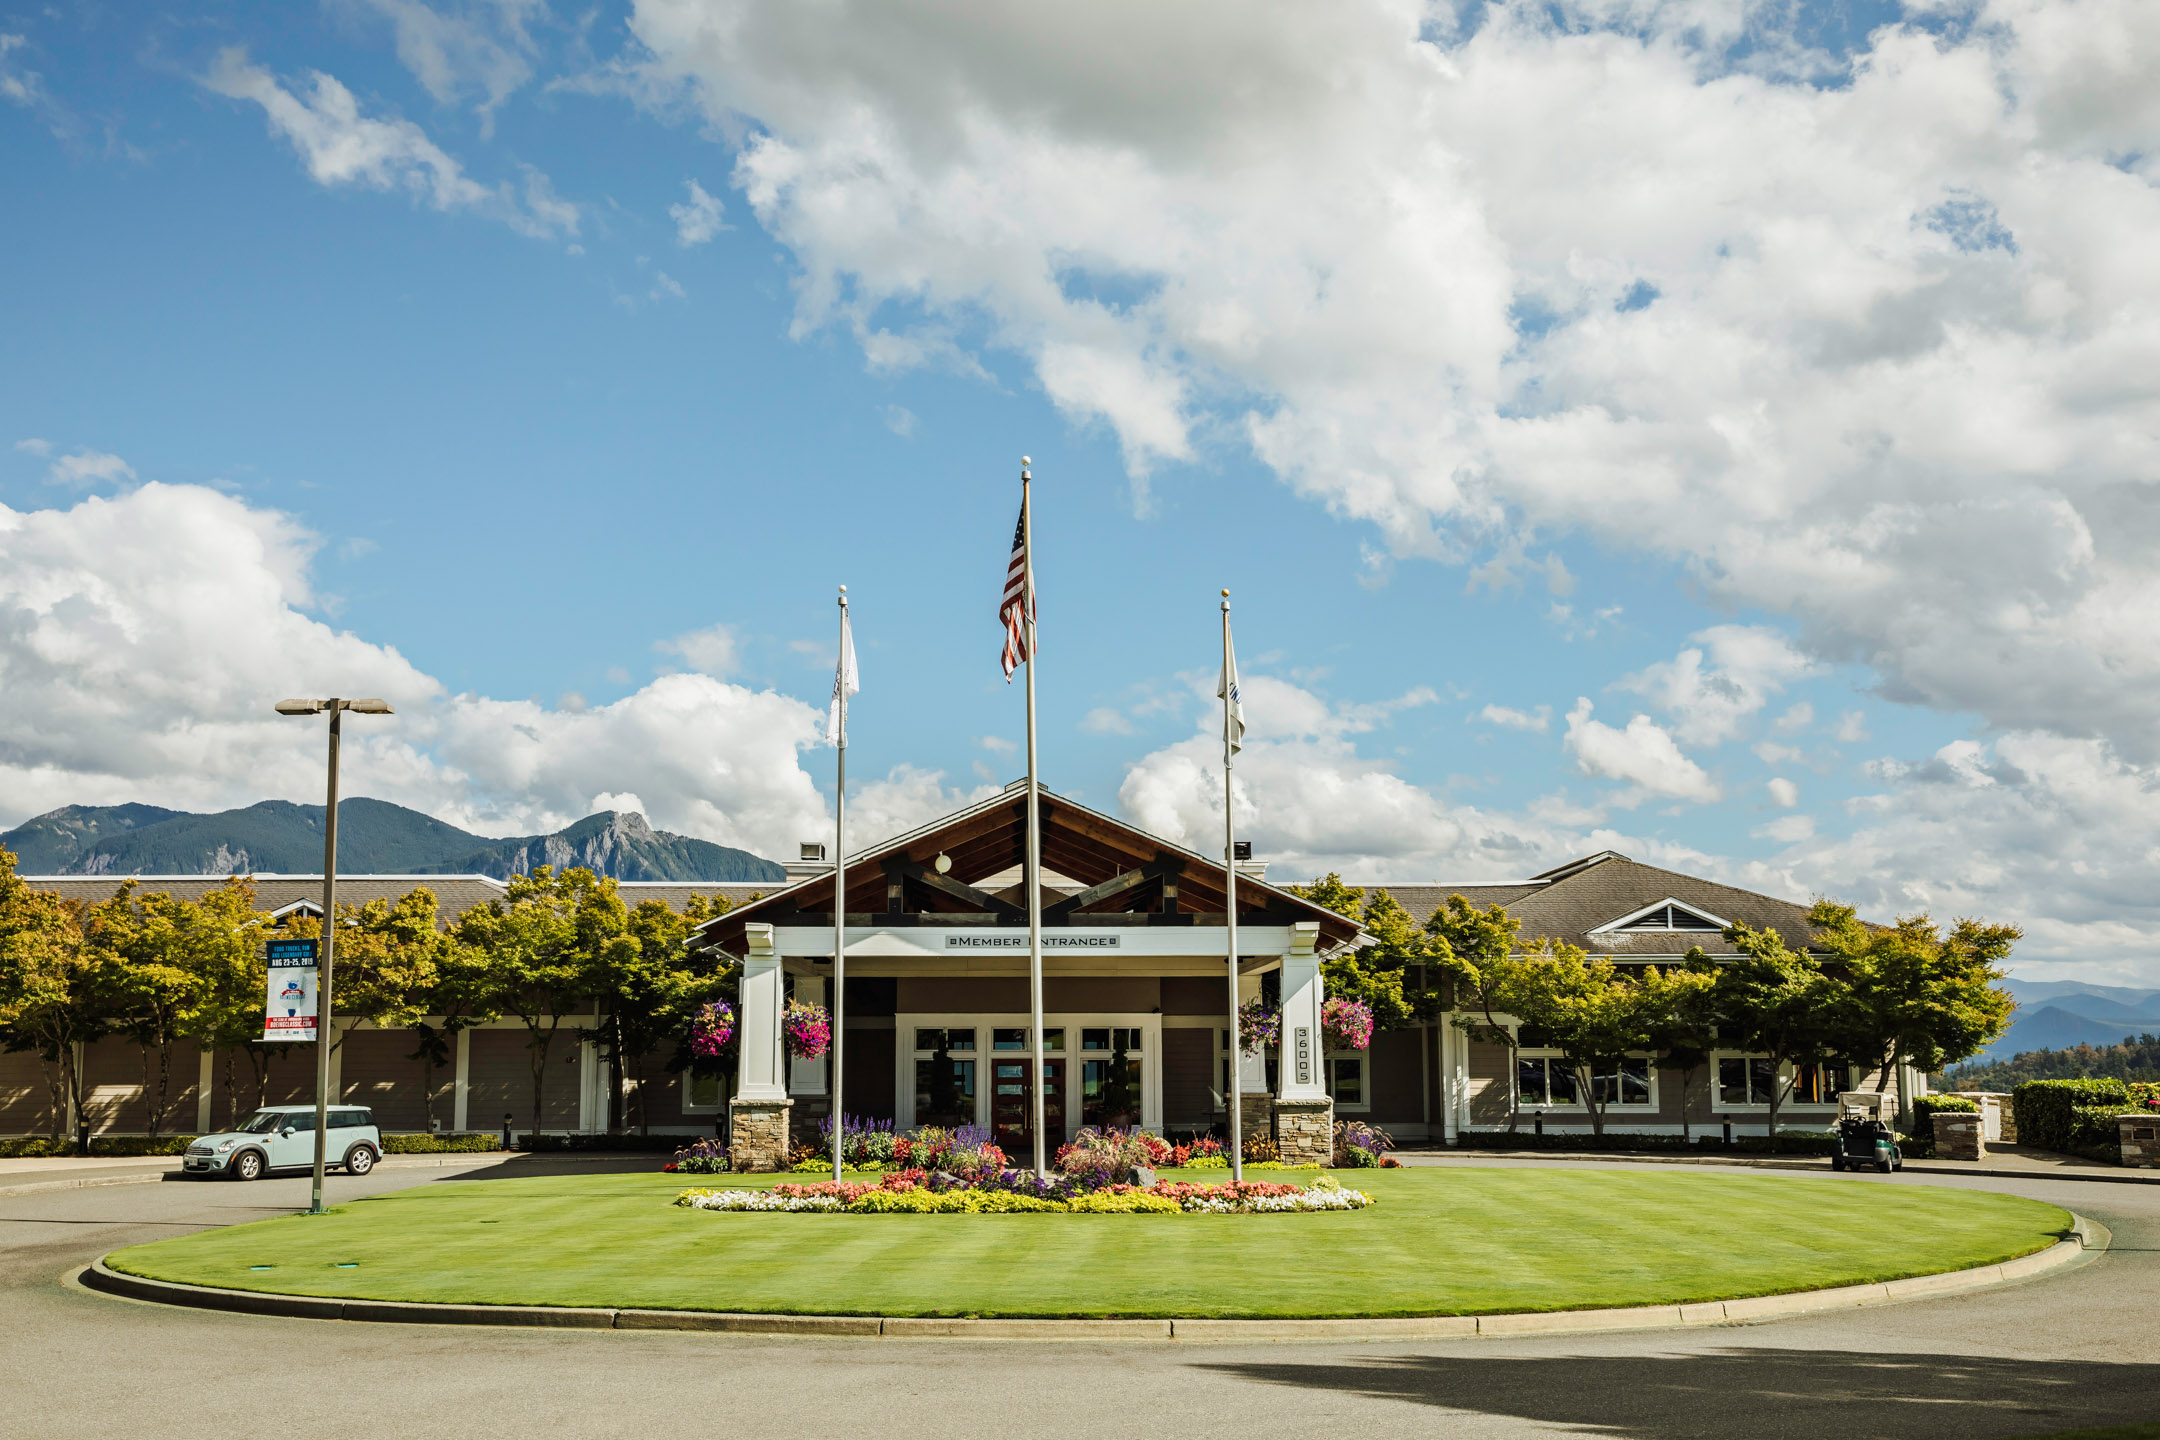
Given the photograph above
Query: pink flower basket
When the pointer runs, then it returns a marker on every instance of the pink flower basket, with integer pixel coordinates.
(806, 1029)
(1347, 1024)
(711, 1030)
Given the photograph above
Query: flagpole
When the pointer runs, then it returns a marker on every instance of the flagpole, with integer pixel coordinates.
(1236, 1103)
(1033, 875)
(839, 964)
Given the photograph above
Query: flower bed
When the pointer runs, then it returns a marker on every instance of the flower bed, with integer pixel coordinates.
(1017, 1192)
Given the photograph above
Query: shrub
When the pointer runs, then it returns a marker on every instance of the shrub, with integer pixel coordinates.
(2095, 1134)
(1208, 1162)
(27, 1146)
(543, 1143)
(704, 1157)
(1359, 1146)
(1106, 1156)
(452, 1143)
(1259, 1148)
(2043, 1108)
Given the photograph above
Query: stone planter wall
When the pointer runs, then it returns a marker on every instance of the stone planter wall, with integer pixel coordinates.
(1305, 1131)
(1958, 1136)
(761, 1134)
(2140, 1140)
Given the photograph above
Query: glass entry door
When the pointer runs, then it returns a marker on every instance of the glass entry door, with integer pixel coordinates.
(1012, 1106)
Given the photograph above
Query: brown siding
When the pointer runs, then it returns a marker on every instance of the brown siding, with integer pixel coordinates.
(964, 995)
(1194, 995)
(373, 1070)
(1392, 1075)
(1188, 1086)
(867, 1087)
(1491, 1086)
(114, 1088)
(26, 1097)
(499, 1074)
(1101, 994)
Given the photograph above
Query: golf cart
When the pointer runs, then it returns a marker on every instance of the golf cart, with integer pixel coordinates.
(1864, 1141)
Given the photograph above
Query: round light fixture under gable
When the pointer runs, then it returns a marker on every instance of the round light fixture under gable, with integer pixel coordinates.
(943, 863)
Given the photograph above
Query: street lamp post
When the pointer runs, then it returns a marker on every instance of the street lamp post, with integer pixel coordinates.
(323, 1013)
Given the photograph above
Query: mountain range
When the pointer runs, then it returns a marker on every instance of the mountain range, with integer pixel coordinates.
(375, 837)
(2062, 1014)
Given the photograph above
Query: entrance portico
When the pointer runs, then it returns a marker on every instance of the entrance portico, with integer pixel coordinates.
(1136, 992)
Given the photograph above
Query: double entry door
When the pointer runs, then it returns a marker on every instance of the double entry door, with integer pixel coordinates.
(1012, 1105)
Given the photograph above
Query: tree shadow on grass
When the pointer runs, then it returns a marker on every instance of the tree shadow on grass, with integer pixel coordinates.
(1766, 1394)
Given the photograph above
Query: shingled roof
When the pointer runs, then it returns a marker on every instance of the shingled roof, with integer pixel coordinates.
(1580, 901)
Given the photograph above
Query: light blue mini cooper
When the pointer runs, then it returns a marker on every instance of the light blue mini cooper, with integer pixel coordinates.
(282, 1137)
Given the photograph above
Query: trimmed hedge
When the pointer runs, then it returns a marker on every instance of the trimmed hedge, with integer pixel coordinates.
(2045, 1110)
(1789, 1142)
(2095, 1134)
(453, 1143)
(24, 1146)
(625, 1144)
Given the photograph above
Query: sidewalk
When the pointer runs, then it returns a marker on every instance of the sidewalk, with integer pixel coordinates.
(2003, 1162)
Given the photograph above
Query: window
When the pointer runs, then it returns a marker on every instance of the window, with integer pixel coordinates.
(1346, 1079)
(1544, 1080)
(701, 1092)
(1672, 916)
(1016, 1038)
(1629, 1084)
(1745, 1080)
(1818, 1084)
(1110, 1087)
(945, 1076)
(347, 1119)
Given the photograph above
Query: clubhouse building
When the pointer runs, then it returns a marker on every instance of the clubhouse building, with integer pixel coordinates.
(937, 1014)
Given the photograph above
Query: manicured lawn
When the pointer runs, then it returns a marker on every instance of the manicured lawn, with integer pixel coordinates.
(1440, 1241)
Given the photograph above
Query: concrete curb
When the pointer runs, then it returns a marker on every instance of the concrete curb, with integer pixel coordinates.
(2087, 1237)
(471, 1159)
(1436, 1159)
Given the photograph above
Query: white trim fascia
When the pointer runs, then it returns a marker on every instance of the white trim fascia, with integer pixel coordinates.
(1626, 920)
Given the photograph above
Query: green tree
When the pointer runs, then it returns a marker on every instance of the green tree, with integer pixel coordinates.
(49, 998)
(1776, 1003)
(547, 946)
(1914, 996)
(650, 990)
(1477, 953)
(228, 1018)
(1684, 1037)
(1394, 975)
(149, 980)
(458, 997)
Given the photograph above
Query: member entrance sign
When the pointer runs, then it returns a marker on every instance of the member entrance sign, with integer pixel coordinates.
(290, 1014)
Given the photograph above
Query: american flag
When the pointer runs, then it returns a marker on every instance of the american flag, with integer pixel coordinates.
(1017, 609)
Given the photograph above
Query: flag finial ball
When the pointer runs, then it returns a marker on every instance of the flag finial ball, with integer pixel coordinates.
(1225, 594)
(843, 590)
(1025, 461)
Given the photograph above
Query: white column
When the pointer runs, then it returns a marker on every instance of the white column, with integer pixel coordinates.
(1451, 1041)
(592, 1093)
(760, 1074)
(206, 1078)
(1252, 1069)
(461, 1090)
(807, 1077)
(1300, 1073)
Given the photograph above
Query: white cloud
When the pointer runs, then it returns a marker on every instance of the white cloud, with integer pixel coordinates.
(997, 745)
(482, 51)
(713, 650)
(1106, 720)
(1852, 728)
(1643, 755)
(1783, 792)
(144, 638)
(697, 219)
(1793, 721)
(666, 287)
(88, 467)
(900, 420)
(1536, 721)
(1788, 829)
(1875, 354)
(1746, 665)
(34, 446)
(340, 146)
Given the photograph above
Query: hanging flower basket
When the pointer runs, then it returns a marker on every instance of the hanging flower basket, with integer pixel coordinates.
(1347, 1024)
(1259, 1026)
(807, 1030)
(711, 1029)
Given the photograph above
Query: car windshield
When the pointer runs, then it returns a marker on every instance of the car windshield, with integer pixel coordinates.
(262, 1122)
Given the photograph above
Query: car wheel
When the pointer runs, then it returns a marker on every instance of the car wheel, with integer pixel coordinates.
(247, 1165)
(1886, 1166)
(359, 1160)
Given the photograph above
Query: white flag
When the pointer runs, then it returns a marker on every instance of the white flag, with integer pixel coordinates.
(1228, 690)
(845, 680)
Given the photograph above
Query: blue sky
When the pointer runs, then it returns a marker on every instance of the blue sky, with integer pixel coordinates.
(529, 423)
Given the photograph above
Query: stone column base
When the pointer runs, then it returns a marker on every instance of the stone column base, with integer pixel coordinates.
(1305, 1131)
(760, 1128)
(2140, 1140)
(1958, 1136)
(1256, 1114)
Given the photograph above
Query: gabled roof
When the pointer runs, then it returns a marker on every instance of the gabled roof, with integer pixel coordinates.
(1114, 870)
(1594, 903)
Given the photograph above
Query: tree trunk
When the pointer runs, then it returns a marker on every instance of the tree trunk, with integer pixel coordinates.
(1586, 1078)
(542, 1041)
(1687, 1093)
(1777, 1094)
(56, 1094)
(157, 1102)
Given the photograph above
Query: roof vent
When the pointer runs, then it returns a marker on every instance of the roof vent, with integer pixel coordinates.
(813, 850)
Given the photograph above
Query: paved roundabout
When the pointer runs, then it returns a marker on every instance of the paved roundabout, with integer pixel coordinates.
(2075, 1347)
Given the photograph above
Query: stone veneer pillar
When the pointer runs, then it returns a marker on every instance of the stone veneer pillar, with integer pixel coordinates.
(759, 1111)
(1304, 1115)
(2140, 1140)
(1305, 1131)
(1959, 1136)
